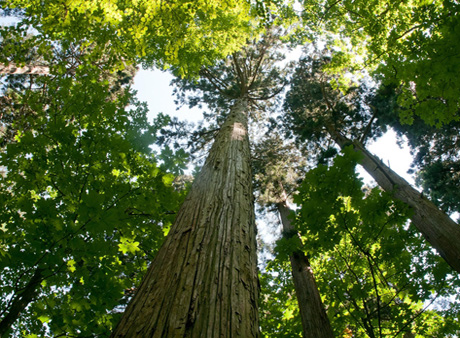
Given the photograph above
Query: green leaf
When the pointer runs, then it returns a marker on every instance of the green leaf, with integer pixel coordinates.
(128, 245)
(71, 265)
(44, 319)
(167, 179)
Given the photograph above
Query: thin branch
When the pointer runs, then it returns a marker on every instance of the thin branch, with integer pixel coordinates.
(258, 65)
(369, 125)
(368, 256)
(327, 10)
(262, 98)
(241, 77)
(366, 321)
(345, 303)
(414, 317)
(218, 84)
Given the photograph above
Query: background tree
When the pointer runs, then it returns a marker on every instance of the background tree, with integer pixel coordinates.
(314, 108)
(277, 167)
(379, 277)
(435, 149)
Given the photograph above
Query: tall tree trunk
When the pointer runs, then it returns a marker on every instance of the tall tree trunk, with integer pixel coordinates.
(203, 281)
(436, 226)
(21, 300)
(315, 323)
(27, 69)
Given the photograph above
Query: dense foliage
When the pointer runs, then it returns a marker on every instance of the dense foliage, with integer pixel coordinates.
(86, 203)
(410, 44)
(434, 150)
(186, 34)
(84, 206)
(377, 275)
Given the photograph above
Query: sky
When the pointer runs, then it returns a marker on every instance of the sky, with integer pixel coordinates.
(153, 87)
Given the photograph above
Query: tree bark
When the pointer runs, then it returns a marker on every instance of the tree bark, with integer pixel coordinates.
(203, 281)
(21, 300)
(436, 226)
(315, 323)
(28, 69)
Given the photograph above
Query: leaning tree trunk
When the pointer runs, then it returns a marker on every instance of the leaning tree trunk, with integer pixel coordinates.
(203, 281)
(436, 226)
(315, 323)
(20, 302)
(27, 69)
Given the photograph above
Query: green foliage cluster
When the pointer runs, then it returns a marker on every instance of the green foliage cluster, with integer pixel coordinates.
(185, 34)
(314, 110)
(411, 44)
(377, 276)
(84, 206)
(435, 149)
(278, 308)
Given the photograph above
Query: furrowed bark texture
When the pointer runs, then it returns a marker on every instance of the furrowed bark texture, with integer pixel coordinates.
(436, 226)
(28, 69)
(315, 323)
(21, 301)
(203, 281)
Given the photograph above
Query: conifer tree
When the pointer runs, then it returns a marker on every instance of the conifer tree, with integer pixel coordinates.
(204, 279)
(317, 110)
(279, 165)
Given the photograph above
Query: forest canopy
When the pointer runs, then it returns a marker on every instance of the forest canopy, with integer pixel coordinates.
(114, 223)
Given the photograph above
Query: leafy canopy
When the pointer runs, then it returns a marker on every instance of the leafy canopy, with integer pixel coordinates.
(186, 34)
(85, 207)
(411, 44)
(376, 274)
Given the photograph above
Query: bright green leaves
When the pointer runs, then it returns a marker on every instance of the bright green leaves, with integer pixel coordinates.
(168, 179)
(184, 34)
(128, 245)
(71, 265)
(410, 44)
(375, 273)
(44, 319)
(83, 201)
(330, 186)
(278, 308)
(80, 179)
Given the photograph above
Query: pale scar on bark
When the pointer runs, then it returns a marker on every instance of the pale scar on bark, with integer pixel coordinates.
(238, 132)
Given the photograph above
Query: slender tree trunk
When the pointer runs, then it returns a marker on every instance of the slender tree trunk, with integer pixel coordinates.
(21, 300)
(203, 281)
(436, 226)
(28, 69)
(315, 323)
